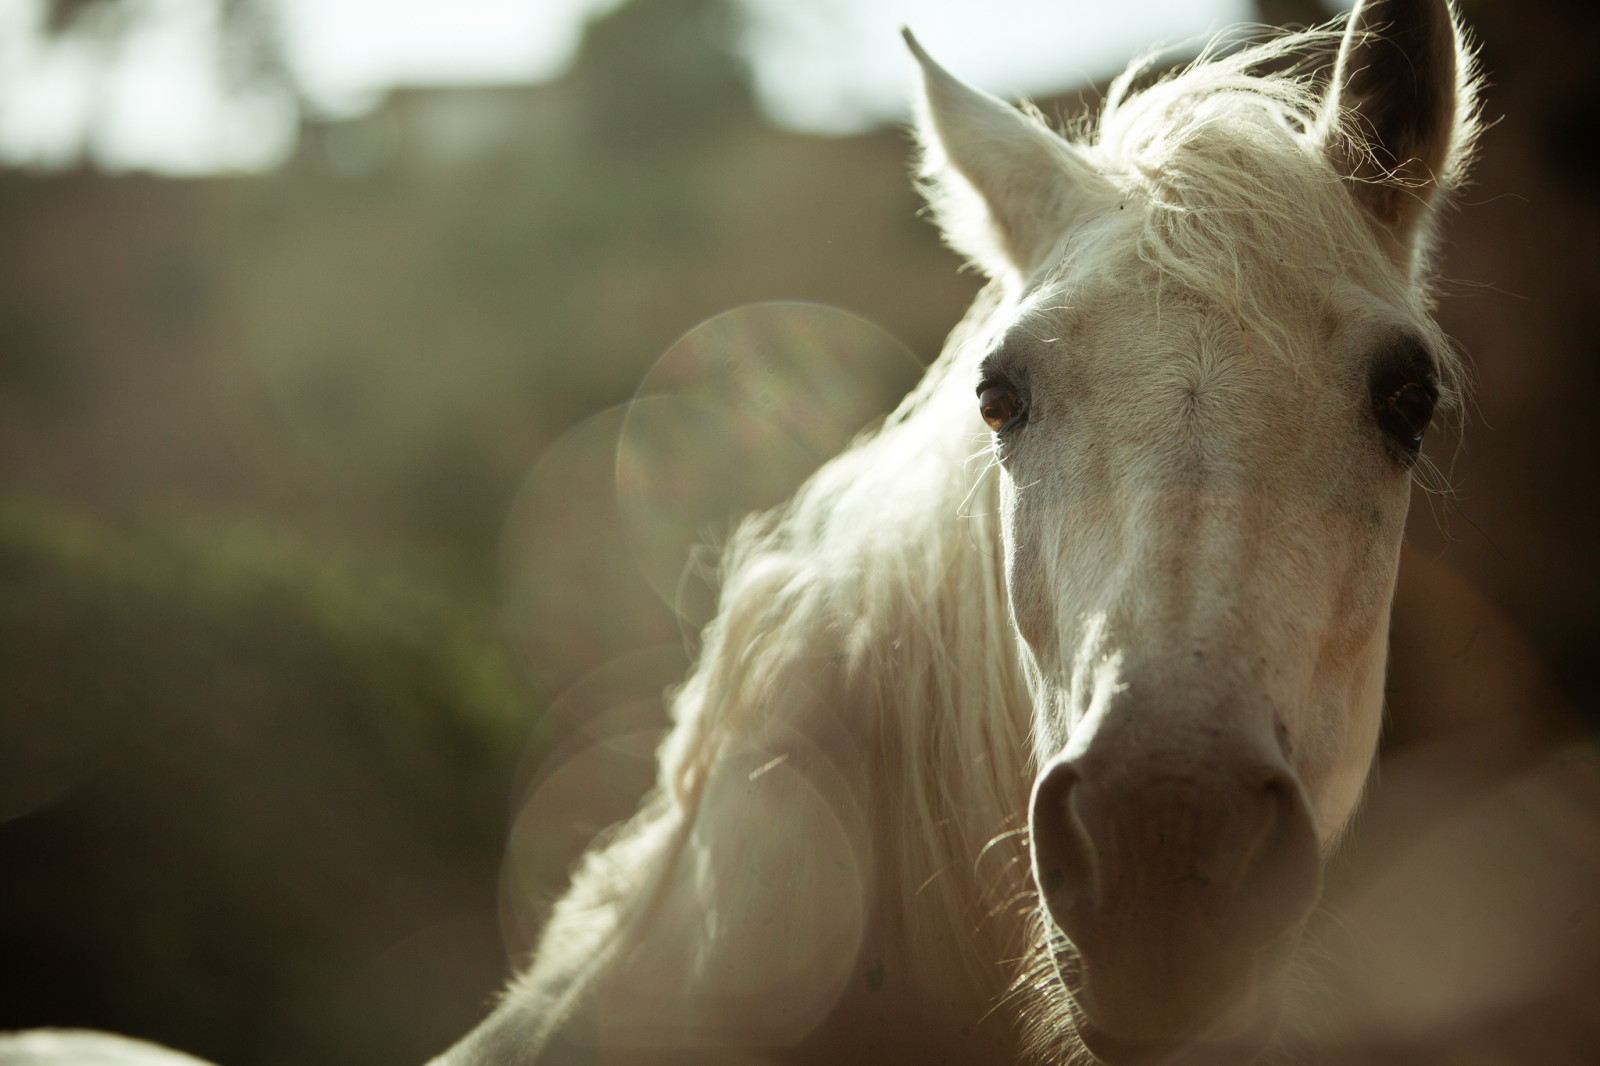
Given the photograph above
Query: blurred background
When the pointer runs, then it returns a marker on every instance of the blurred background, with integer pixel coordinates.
(368, 371)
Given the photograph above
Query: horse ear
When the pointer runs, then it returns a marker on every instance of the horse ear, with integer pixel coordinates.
(1002, 186)
(1401, 114)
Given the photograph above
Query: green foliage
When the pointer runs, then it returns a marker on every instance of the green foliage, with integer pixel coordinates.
(416, 641)
(661, 72)
(237, 770)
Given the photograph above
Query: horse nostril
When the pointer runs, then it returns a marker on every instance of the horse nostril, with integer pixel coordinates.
(1282, 878)
(1064, 866)
(1236, 843)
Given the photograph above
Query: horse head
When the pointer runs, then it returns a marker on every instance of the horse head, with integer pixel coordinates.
(1206, 388)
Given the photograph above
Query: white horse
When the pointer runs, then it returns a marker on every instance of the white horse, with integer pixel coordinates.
(1028, 724)
(1026, 728)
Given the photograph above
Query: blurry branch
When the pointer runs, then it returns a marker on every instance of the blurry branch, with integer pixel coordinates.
(62, 16)
(654, 72)
(1295, 13)
(250, 53)
(252, 49)
(251, 44)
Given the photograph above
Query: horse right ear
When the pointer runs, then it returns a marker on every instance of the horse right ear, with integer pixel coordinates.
(1401, 115)
(1002, 186)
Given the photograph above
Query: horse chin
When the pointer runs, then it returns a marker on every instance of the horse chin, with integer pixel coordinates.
(1228, 1023)
(1236, 1050)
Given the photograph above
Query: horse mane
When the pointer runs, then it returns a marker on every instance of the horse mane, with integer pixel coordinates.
(1221, 166)
(1227, 159)
(884, 569)
(886, 566)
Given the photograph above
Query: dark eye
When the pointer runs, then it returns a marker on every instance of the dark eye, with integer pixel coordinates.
(1001, 405)
(1404, 406)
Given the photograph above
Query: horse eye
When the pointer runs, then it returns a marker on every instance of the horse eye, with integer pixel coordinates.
(1000, 405)
(1404, 410)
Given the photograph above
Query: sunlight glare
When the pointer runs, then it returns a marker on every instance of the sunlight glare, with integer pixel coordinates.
(839, 66)
(347, 53)
(733, 417)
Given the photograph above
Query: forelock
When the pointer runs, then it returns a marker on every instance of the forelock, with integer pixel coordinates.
(1231, 195)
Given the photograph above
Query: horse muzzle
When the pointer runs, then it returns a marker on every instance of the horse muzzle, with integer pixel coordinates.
(1182, 873)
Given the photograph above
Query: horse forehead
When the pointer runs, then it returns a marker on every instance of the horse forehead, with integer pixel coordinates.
(1145, 346)
(1184, 396)
(1105, 279)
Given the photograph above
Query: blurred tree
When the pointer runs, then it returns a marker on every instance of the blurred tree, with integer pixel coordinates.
(60, 15)
(1297, 13)
(250, 39)
(656, 70)
(661, 70)
(250, 794)
(235, 70)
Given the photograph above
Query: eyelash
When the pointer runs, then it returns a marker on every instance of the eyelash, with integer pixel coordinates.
(1403, 398)
(1001, 404)
(1404, 404)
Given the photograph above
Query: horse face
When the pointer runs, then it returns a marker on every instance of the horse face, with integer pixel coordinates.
(1201, 543)
(1205, 400)
(1201, 538)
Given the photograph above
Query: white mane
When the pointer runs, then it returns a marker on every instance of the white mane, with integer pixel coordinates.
(887, 566)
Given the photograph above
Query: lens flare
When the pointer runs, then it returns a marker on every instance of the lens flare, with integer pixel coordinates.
(733, 417)
(578, 795)
(756, 932)
(572, 596)
(588, 763)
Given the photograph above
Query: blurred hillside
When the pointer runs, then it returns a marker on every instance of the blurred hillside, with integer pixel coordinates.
(381, 337)
(270, 448)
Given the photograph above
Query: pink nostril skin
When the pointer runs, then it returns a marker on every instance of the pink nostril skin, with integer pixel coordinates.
(1182, 882)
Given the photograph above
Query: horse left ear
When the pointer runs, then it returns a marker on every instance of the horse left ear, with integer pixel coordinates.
(1003, 187)
(1401, 115)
